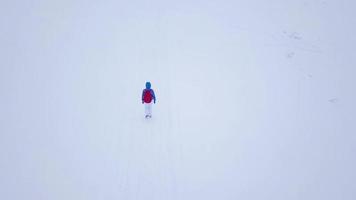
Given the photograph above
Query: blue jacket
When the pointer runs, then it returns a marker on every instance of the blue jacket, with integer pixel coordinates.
(152, 94)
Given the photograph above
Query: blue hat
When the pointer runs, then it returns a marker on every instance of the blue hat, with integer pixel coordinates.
(148, 85)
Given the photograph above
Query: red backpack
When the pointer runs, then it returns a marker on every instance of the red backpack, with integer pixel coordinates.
(147, 96)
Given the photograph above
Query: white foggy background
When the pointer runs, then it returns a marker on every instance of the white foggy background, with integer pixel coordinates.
(255, 100)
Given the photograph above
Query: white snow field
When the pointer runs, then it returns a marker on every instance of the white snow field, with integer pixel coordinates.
(255, 100)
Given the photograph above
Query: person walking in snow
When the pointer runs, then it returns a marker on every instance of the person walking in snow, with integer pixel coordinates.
(147, 96)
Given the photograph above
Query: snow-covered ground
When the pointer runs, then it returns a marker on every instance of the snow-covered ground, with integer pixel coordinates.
(255, 100)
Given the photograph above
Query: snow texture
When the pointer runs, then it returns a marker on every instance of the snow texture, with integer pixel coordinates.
(255, 100)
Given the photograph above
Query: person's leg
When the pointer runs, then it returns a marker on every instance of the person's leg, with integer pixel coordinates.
(150, 109)
(147, 109)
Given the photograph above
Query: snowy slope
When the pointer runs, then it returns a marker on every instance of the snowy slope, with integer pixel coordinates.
(255, 100)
